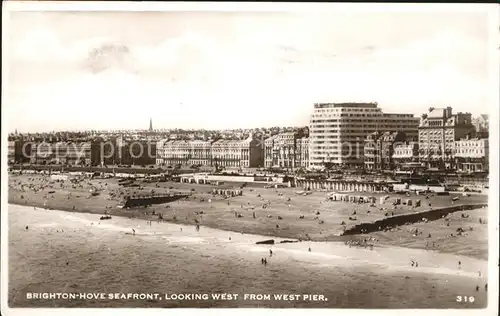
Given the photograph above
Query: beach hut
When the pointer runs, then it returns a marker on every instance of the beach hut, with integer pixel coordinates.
(409, 202)
(59, 177)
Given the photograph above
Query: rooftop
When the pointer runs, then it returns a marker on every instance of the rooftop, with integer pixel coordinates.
(373, 105)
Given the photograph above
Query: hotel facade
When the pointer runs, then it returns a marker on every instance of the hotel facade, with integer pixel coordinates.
(222, 153)
(405, 155)
(337, 131)
(379, 150)
(472, 155)
(66, 153)
(286, 150)
(439, 130)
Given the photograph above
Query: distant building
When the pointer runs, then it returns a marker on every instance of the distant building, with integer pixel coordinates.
(439, 129)
(183, 152)
(246, 153)
(134, 152)
(302, 153)
(481, 124)
(66, 153)
(18, 151)
(405, 155)
(284, 150)
(270, 155)
(222, 153)
(379, 149)
(472, 155)
(338, 131)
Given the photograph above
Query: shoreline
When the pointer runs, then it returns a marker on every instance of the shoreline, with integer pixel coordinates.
(287, 215)
(213, 237)
(137, 214)
(66, 248)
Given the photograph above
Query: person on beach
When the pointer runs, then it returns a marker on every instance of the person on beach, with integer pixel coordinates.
(309, 249)
(197, 228)
(265, 261)
(262, 260)
(270, 253)
(133, 231)
(459, 264)
(26, 227)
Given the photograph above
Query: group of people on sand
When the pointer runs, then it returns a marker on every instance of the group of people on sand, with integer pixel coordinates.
(264, 260)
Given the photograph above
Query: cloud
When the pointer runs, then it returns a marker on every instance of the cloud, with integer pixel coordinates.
(188, 51)
(465, 53)
(40, 46)
(271, 67)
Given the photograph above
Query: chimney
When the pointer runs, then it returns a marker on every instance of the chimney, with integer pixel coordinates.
(449, 111)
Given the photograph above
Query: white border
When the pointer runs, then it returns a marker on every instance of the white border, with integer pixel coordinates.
(494, 61)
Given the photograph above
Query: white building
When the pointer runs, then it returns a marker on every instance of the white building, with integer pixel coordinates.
(439, 130)
(471, 155)
(337, 131)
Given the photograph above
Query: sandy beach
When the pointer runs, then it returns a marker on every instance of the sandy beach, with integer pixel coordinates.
(277, 212)
(73, 252)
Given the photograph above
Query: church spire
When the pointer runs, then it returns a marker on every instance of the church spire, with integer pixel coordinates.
(150, 124)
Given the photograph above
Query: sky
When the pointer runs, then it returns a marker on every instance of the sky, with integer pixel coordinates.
(114, 70)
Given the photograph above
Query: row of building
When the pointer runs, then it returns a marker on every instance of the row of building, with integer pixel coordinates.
(339, 134)
(359, 134)
(90, 153)
(222, 153)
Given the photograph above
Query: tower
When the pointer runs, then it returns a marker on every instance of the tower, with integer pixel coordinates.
(150, 124)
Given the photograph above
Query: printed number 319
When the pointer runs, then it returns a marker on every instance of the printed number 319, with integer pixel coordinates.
(465, 299)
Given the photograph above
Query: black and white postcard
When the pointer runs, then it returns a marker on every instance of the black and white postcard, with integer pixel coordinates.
(325, 158)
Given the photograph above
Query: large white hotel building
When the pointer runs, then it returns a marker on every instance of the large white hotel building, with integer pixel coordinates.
(337, 131)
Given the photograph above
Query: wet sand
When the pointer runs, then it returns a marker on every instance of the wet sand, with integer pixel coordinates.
(64, 251)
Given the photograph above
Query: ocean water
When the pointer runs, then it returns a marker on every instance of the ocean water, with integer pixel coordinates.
(77, 252)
